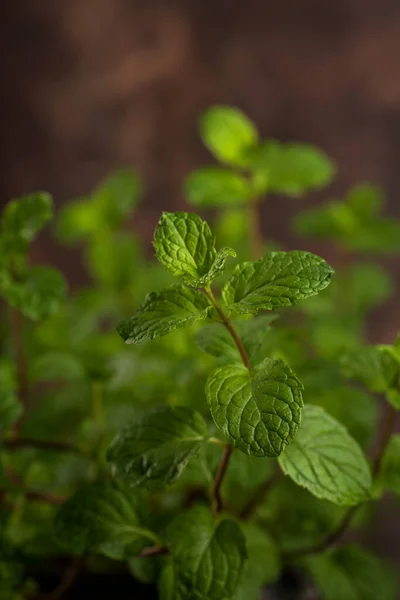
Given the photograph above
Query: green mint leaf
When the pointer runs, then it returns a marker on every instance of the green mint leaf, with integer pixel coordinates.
(279, 279)
(208, 557)
(326, 460)
(162, 312)
(365, 200)
(292, 169)
(216, 187)
(259, 415)
(153, 451)
(103, 518)
(185, 246)
(39, 294)
(389, 476)
(216, 340)
(351, 573)
(376, 367)
(10, 406)
(263, 564)
(22, 219)
(104, 210)
(229, 135)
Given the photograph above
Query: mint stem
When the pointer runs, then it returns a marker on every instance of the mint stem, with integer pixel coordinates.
(216, 490)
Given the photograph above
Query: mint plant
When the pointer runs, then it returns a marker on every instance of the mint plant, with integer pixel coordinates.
(228, 439)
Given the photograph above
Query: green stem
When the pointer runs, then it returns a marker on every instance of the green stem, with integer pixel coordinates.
(216, 489)
(229, 327)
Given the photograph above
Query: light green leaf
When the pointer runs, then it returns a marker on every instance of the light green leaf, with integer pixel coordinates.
(393, 397)
(39, 295)
(292, 169)
(376, 367)
(162, 312)
(279, 279)
(103, 518)
(10, 406)
(365, 200)
(389, 476)
(259, 415)
(153, 451)
(208, 557)
(351, 573)
(326, 460)
(23, 218)
(104, 210)
(263, 564)
(216, 340)
(185, 246)
(216, 187)
(229, 135)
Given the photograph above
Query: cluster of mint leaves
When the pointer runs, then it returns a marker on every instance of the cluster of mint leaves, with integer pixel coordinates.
(204, 469)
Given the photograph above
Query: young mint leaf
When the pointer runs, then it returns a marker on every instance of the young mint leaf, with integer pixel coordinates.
(102, 211)
(162, 312)
(153, 451)
(259, 415)
(208, 557)
(326, 460)
(217, 341)
(103, 518)
(263, 564)
(22, 219)
(389, 476)
(292, 169)
(10, 406)
(185, 246)
(216, 187)
(229, 135)
(39, 295)
(376, 367)
(351, 573)
(279, 279)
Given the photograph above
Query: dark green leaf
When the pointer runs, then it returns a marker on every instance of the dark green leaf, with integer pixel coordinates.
(103, 518)
(279, 279)
(164, 311)
(229, 135)
(259, 415)
(326, 460)
(351, 573)
(208, 557)
(153, 451)
(185, 246)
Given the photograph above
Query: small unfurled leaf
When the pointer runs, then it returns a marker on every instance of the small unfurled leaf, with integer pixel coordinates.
(103, 210)
(39, 295)
(153, 451)
(260, 415)
(263, 564)
(208, 557)
(376, 367)
(279, 279)
(351, 573)
(164, 311)
(326, 460)
(10, 406)
(103, 518)
(389, 476)
(216, 340)
(292, 169)
(229, 135)
(22, 219)
(217, 187)
(185, 246)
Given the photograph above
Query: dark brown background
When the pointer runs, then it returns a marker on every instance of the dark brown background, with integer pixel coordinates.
(90, 85)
